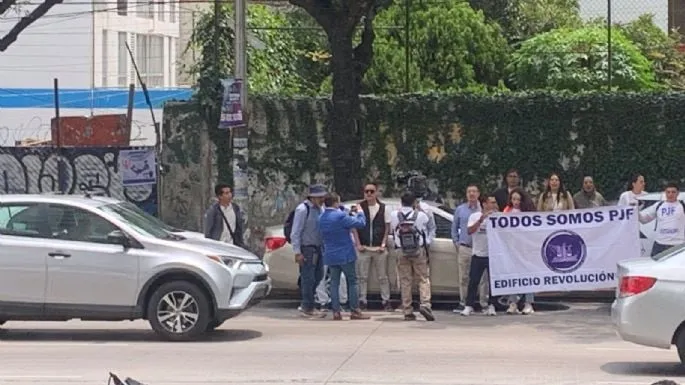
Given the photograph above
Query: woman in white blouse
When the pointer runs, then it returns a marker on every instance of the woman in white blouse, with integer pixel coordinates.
(555, 197)
(635, 189)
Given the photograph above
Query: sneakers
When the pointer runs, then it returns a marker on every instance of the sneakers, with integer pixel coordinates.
(427, 313)
(458, 309)
(387, 306)
(410, 317)
(490, 310)
(468, 310)
(337, 316)
(528, 309)
(513, 308)
(358, 315)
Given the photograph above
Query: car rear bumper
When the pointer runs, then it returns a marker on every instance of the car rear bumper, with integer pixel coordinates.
(632, 324)
(244, 298)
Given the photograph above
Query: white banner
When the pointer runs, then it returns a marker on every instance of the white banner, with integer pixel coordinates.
(536, 252)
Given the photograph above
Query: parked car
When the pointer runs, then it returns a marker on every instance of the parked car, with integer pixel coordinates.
(68, 257)
(279, 256)
(649, 308)
(647, 229)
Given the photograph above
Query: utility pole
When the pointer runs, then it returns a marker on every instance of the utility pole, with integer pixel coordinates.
(240, 134)
(609, 43)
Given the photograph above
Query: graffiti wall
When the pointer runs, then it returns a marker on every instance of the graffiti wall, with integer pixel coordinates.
(35, 170)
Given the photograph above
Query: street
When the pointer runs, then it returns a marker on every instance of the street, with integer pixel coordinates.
(272, 345)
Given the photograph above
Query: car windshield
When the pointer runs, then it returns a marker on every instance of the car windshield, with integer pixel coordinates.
(668, 253)
(139, 223)
(130, 206)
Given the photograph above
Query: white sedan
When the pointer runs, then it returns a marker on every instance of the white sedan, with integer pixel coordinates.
(649, 308)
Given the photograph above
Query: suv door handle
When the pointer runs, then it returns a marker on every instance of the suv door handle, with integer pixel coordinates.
(59, 255)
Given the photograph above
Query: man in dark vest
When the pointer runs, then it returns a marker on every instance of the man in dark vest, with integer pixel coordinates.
(371, 245)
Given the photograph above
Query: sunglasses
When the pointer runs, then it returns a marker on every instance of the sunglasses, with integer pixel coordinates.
(370, 191)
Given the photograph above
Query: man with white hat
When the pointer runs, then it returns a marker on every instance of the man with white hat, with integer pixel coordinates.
(306, 242)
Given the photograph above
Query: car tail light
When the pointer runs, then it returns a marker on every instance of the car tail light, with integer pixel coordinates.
(633, 285)
(274, 243)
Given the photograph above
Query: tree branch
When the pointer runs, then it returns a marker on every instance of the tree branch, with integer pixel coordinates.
(25, 22)
(5, 5)
(320, 10)
(363, 52)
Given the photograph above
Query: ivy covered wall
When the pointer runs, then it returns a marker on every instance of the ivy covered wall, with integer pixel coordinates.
(457, 139)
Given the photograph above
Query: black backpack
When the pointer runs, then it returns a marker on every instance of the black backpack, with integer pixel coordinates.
(658, 205)
(288, 225)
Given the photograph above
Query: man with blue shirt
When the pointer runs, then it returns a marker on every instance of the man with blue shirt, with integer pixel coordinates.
(306, 241)
(340, 254)
(463, 244)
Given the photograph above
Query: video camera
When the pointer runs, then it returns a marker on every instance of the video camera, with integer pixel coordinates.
(419, 184)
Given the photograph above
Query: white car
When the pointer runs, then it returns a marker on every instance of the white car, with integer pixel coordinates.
(279, 256)
(647, 229)
(649, 308)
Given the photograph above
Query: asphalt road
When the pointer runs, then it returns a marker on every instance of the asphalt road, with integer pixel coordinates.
(272, 345)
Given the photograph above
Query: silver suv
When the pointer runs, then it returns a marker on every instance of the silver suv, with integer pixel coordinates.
(68, 257)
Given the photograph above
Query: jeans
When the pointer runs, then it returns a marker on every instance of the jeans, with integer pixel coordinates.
(528, 298)
(350, 271)
(311, 273)
(479, 265)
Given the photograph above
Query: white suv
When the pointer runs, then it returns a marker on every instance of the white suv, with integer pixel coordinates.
(68, 257)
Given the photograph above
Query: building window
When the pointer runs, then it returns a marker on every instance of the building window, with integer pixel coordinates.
(123, 58)
(150, 59)
(160, 10)
(172, 11)
(105, 57)
(146, 10)
(122, 7)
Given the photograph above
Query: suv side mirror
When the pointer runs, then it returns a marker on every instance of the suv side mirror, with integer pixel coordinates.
(117, 237)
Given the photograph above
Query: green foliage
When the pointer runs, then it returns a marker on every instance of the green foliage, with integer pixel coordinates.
(660, 48)
(577, 59)
(270, 69)
(473, 138)
(452, 48)
(523, 19)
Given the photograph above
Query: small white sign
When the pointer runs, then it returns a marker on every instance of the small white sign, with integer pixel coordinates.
(138, 167)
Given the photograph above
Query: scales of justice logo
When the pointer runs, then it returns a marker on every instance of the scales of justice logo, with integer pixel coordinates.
(563, 251)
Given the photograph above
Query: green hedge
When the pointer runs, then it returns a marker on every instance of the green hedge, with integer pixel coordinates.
(606, 135)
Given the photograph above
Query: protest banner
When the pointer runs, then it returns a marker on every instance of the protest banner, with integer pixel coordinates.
(571, 250)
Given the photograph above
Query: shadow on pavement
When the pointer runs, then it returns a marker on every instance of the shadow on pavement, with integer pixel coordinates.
(646, 369)
(109, 335)
(579, 323)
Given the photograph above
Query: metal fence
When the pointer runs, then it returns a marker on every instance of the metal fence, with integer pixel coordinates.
(71, 170)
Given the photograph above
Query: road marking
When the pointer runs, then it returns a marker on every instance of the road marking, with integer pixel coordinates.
(51, 377)
(631, 349)
(48, 344)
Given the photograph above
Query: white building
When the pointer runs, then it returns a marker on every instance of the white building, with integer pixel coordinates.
(83, 45)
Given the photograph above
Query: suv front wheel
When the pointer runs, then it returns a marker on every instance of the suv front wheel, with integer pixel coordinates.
(179, 311)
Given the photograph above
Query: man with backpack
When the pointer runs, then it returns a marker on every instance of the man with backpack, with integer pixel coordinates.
(412, 240)
(223, 220)
(669, 216)
(302, 231)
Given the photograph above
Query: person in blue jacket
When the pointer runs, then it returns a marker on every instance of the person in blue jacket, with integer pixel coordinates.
(339, 253)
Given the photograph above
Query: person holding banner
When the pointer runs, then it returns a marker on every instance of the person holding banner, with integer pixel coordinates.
(670, 220)
(635, 189)
(555, 197)
(479, 261)
(462, 242)
(520, 202)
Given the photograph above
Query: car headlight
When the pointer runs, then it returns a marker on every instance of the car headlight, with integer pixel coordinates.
(266, 267)
(224, 260)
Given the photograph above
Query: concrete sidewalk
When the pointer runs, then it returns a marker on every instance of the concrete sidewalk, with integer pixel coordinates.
(273, 345)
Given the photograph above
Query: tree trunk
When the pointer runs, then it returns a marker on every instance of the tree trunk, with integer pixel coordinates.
(344, 138)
